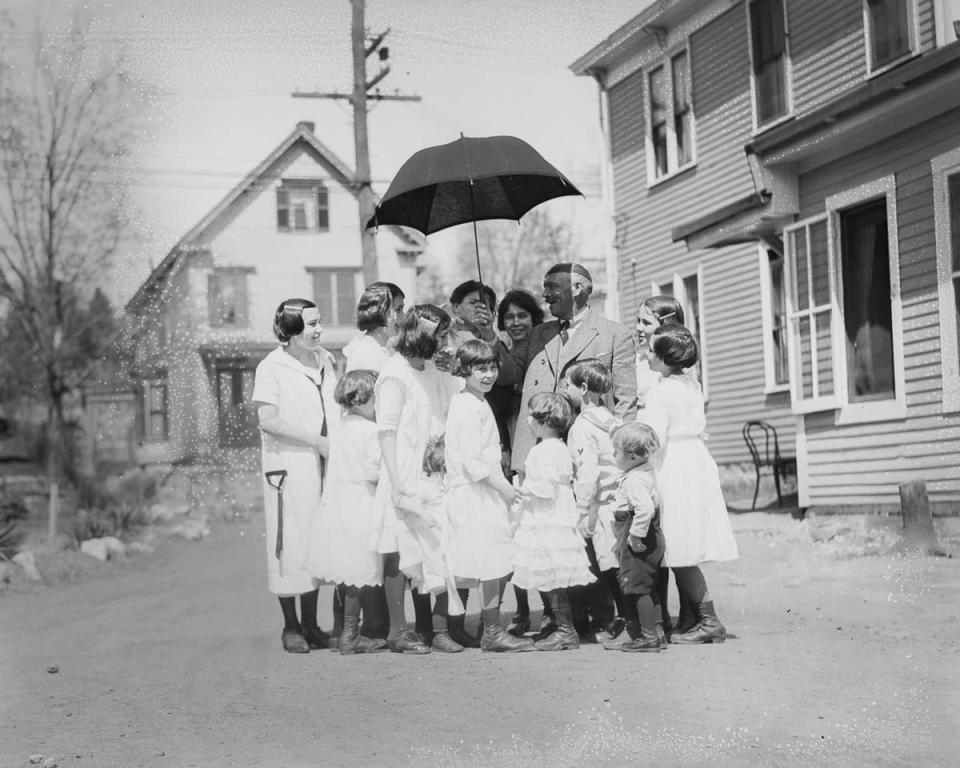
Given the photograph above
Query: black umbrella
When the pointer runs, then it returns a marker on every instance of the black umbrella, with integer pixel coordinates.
(497, 177)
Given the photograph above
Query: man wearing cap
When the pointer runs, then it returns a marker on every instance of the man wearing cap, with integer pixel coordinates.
(576, 333)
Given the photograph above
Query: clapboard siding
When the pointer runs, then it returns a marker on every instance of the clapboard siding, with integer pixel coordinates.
(826, 50)
(852, 463)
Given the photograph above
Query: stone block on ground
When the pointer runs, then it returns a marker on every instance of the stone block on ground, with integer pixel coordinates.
(95, 548)
(191, 530)
(28, 563)
(114, 546)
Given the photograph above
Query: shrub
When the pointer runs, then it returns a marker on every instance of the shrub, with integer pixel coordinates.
(12, 511)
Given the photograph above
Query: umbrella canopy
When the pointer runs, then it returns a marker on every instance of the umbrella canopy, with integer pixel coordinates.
(470, 179)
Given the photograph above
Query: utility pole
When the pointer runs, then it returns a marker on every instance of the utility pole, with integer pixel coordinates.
(358, 98)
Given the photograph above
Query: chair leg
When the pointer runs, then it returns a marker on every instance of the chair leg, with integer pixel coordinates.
(776, 481)
(756, 489)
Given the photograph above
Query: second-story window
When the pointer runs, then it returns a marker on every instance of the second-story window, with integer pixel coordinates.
(888, 30)
(768, 52)
(669, 106)
(227, 297)
(303, 205)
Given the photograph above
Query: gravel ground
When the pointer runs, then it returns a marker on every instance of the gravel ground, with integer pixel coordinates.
(173, 659)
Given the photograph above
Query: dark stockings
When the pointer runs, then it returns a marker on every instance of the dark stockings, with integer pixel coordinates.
(690, 582)
(289, 607)
(394, 587)
(308, 611)
(338, 598)
(440, 606)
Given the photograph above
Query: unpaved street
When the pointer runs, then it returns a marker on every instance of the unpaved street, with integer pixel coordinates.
(176, 662)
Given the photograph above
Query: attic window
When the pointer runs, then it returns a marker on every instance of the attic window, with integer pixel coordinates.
(303, 205)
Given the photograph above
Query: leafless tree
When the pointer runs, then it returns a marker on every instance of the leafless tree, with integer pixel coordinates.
(516, 255)
(66, 122)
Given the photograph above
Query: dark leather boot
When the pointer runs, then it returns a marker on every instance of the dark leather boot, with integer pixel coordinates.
(708, 630)
(495, 637)
(443, 643)
(351, 641)
(457, 631)
(687, 618)
(662, 637)
(565, 636)
(647, 642)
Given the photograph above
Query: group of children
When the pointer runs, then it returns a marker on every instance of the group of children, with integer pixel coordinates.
(591, 486)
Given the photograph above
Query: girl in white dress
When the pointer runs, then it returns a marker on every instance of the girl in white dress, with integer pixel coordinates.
(378, 310)
(549, 555)
(346, 527)
(696, 525)
(478, 494)
(655, 312)
(293, 391)
(412, 401)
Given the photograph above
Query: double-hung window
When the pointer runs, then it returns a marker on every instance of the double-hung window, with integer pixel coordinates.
(227, 297)
(335, 293)
(303, 205)
(769, 60)
(843, 307)
(890, 29)
(686, 290)
(670, 121)
(946, 210)
(773, 300)
(153, 409)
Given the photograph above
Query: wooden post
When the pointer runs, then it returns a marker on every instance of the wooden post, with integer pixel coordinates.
(918, 530)
(368, 243)
(52, 518)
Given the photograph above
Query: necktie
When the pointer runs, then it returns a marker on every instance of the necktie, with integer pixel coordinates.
(564, 330)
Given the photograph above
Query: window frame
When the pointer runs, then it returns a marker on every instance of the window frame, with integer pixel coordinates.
(913, 44)
(680, 293)
(147, 413)
(770, 384)
(215, 274)
(665, 62)
(941, 168)
(236, 370)
(319, 194)
(333, 318)
(875, 410)
(759, 127)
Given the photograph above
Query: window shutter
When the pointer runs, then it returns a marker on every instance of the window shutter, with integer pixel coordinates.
(346, 297)
(811, 317)
(213, 300)
(323, 294)
(323, 209)
(283, 209)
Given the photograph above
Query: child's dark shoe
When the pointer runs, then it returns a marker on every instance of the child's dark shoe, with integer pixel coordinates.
(294, 641)
(443, 643)
(316, 638)
(646, 642)
(564, 639)
(496, 639)
(708, 630)
(519, 625)
(407, 642)
(547, 627)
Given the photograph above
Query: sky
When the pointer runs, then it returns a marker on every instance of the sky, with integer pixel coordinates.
(221, 73)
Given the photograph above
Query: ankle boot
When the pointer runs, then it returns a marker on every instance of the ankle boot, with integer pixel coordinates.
(351, 641)
(708, 630)
(662, 637)
(457, 631)
(647, 642)
(686, 619)
(496, 639)
(630, 632)
(443, 643)
(565, 637)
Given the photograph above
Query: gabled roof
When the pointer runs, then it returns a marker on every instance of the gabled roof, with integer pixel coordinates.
(302, 138)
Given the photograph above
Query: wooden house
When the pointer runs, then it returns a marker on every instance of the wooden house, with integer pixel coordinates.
(203, 319)
(790, 169)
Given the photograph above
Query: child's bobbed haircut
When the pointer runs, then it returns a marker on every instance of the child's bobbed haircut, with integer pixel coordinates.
(420, 328)
(552, 410)
(636, 439)
(433, 460)
(666, 309)
(355, 388)
(471, 354)
(675, 345)
(593, 373)
(373, 308)
(288, 319)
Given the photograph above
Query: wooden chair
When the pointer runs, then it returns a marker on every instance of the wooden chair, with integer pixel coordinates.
(761, 440)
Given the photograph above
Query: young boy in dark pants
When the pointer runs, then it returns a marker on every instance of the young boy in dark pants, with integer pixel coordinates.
(640, 543)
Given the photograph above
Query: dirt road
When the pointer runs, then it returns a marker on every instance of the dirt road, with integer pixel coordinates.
(177, 662)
